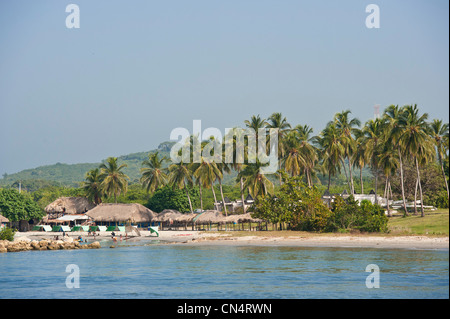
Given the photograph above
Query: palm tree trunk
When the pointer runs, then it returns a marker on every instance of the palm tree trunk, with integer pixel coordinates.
(352, 188)
(390, 190)
(223, 199)
(420, 188)
(189, 199)
(201, 196)
(279, 168)
(345, 171)
(242, 195)
(387, 196)
(443, 175)
(415, 197)
(361, 180)
(376, 187)
(329, 181)
(402, 183)
(214, 194)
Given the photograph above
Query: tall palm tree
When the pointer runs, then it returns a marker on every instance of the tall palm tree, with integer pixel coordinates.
(360, 156)
(347, 129)
(331, 149)
(294, 162)
(238, 165)
(256, 181)
(255, 123)
(223, 167)
(92, 186)
(301, 155)
(153, 173)
(180, 177)
(394, 130)
(206, 173)
(308, 149)
(114, 180)
(438, 131)
(277, 121)
(416, 140)
(373, 135)
(389, 163)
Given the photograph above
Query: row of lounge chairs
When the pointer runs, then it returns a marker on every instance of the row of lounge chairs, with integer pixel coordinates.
(78, 228)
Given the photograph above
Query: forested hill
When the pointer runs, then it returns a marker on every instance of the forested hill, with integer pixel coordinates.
(73, 174)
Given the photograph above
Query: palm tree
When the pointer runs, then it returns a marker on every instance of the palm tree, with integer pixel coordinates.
(114, 181)
(388, 162)
(277, 121)
(360, 156)
(347, 129)
(206, 173)
(416, 140)
(153, 173)
(294, 162)
(438, 131)
(301, 155)
(92, 186)
(394, 130)
(181, 177)
(308, 149)
(331, 150)
(373, 136)
(256, 181)
(223, 168)
(255, 123)
(238, 165)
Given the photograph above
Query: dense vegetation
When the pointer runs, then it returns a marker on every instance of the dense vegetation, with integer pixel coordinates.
(302, 208)
(18, 206)
(400, 155)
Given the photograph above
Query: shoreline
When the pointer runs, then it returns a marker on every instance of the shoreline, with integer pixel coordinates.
(200, 238)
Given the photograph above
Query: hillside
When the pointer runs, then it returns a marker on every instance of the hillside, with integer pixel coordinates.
(72, 174)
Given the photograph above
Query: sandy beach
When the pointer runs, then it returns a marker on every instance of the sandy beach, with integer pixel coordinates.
(259, 239)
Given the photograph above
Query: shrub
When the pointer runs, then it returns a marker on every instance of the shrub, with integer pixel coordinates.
(365, 217)
(7, 234)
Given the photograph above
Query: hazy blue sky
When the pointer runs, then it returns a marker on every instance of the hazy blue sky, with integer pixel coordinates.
(135, 70)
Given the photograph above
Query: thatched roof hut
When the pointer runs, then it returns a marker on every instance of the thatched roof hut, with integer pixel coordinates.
(3, 219)
(173, 218)
(210, 217)
(167, 215)
(185, 218)
(69, 205)
(135, 213)
(242, 218)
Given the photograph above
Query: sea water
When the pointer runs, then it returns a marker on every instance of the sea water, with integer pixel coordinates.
(156, 270)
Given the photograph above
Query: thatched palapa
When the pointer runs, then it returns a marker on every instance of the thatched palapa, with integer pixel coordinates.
(69, 205)
(173, 218)
(3, 219)
(242, 218)
(173, 215)
(134, 213)
(210, 217)
(167, 215)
